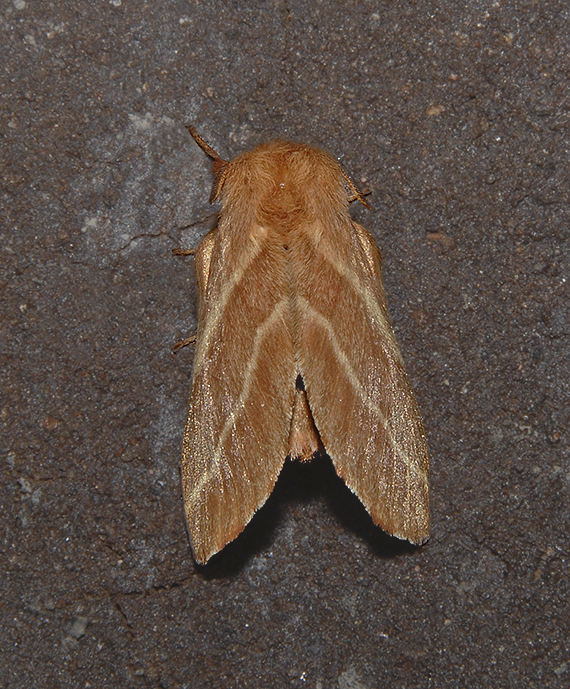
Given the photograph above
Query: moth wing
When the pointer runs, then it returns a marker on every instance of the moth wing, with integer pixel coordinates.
(241, 405)
(362, 402)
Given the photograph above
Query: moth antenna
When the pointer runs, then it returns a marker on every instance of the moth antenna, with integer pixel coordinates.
(204, 145)
(220, 166)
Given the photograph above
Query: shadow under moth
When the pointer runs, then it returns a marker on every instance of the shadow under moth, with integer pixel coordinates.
(295, 351)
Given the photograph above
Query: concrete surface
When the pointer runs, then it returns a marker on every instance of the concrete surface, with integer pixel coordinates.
(456, 116)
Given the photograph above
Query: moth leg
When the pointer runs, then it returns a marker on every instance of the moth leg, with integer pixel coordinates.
(187, 340)
(184, 343)
(356, 195)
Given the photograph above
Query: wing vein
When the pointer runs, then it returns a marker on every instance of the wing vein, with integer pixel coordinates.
(399, 452)
(377, 316)
(215, 466)
(221, 302)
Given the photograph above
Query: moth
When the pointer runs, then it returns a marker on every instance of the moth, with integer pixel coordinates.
(295, 351)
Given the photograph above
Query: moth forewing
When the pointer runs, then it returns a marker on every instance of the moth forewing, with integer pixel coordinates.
(239, 423)
(358, 391)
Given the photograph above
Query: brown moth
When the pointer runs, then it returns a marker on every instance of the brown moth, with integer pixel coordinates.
(295, 352)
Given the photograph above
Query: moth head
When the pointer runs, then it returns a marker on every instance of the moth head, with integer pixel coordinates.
(275, 163)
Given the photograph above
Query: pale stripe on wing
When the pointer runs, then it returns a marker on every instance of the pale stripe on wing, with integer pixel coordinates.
(316, 317)
(215, 469)
(375, 313)
(211, 325)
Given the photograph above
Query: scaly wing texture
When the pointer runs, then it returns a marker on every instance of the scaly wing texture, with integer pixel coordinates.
(237, 434)
(359, 394)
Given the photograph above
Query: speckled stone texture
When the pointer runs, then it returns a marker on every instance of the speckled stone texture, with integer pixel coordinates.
(456, 116)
